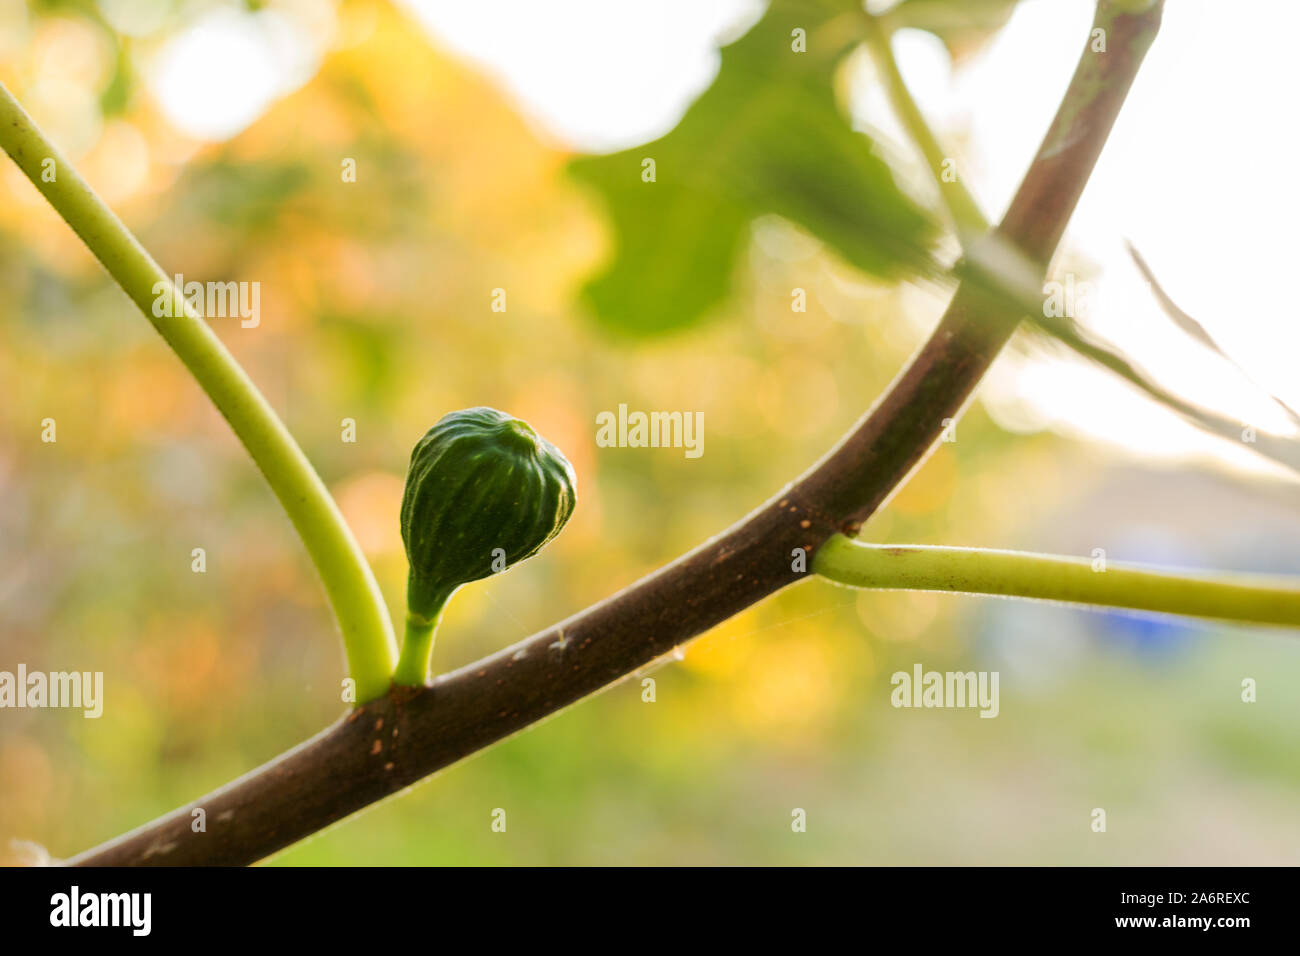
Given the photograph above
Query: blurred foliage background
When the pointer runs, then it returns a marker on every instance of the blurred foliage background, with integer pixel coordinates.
(376, 306)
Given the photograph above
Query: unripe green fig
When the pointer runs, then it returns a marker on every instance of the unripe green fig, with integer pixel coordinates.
(483, 492)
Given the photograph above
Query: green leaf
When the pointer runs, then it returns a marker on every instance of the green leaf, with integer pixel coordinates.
(768, 137)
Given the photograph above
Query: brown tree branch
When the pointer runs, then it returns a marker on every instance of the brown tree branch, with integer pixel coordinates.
(403, 737)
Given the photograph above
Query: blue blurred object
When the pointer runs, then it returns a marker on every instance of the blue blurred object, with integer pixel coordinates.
(1153, 637)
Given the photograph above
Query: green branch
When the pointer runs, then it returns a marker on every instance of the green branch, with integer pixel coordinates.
(1257, 599)
(349, 582)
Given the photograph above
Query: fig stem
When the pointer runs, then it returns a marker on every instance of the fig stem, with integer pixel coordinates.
(1231, 596)
(960, 205)
(349, 582)
(417, 648)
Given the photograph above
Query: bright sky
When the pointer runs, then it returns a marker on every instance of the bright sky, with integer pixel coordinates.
(1196, 173)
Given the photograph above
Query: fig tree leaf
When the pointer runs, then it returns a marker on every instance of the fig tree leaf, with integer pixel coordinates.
(1198, 332)
(1283, 449)
(1000, 272)
(768, 137)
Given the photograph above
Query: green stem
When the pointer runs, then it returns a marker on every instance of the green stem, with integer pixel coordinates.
(962, 208)
(417, 648)
(349, 582)
(1258, 599)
